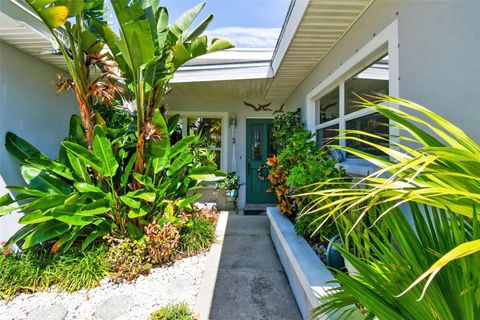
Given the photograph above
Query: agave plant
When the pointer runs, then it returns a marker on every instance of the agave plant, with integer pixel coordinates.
(395, 262)
(433, 162)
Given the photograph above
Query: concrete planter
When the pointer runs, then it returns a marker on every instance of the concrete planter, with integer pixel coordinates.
(307, 275)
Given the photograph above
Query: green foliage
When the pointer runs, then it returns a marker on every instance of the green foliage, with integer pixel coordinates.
(162, 240)
(87, 194)
(38, 270)
(284, 125)
(231, 182)
(196, 236)
(300, 164)
(433, 162)
(128, 258)
(395, 263)
(179, 311)
(306, 225)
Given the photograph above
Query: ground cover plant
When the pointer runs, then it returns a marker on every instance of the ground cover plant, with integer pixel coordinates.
(179, 311)
(38, 270)
(122, 177)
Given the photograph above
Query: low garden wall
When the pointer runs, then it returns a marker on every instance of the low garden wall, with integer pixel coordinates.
(307, 275)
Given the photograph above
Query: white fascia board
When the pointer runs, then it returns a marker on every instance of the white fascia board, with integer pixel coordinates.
(223, 72)
(295, 16)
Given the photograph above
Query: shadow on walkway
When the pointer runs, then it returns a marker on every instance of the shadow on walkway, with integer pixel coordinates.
(251, 283)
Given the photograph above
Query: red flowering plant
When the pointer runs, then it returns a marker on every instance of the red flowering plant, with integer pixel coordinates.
(6, 250)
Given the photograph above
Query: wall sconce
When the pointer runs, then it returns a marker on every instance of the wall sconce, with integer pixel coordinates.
(233, 121)
(233, 126)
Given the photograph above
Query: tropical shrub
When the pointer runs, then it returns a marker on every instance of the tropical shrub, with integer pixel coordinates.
(147, 53)
(300, 164)
(283, 126)
(113, 176)
(39, 270)
(162, 241)
(128, 258)
(179, 311)
(433, 162)
(86, 194)
(231, 182)
(389, 265)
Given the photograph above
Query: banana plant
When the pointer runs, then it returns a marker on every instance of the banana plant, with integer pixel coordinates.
(149, 51)
(88, 193)
(72, 25)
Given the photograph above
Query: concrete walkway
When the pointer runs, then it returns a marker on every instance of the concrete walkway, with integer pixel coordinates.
(251, 283)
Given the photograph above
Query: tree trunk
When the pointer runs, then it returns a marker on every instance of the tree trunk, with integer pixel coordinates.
(140, 161)
(86, 118)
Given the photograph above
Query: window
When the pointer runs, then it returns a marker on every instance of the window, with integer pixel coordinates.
(327, 107)
(326, 136)
(210, 129)
(339, 108)
(373, 123)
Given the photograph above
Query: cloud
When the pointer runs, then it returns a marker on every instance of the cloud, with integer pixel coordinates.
(248, 37)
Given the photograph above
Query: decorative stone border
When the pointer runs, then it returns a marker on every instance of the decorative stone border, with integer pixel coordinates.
(204, 299)
(306, 273)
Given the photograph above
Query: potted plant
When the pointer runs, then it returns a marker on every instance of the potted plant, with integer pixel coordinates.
(230, 185)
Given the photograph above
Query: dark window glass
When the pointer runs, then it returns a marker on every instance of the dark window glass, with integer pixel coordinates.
(325, 135)
(257, 142)
(210, 129)
(327, 107)
(373, 123)
(271, 141)
(372, 80)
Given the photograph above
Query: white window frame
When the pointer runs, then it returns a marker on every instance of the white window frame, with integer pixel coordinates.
(386, 42)
(224, 134)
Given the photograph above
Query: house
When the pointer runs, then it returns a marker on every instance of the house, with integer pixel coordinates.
(328, 51)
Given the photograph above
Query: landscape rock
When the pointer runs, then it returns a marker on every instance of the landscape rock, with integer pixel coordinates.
(114, 307)
(55, 312)
(175, 283)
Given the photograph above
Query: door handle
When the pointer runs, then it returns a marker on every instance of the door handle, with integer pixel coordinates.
(249, 166)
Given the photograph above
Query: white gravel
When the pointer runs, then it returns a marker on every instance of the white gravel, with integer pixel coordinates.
(179, 282)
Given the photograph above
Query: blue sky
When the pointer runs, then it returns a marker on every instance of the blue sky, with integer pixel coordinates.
(248, 23)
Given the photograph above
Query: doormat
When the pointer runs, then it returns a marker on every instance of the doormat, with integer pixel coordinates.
(253, 212)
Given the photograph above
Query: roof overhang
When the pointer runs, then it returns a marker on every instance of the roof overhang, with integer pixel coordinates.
(233, 64)
(311, 30)
(24, 30)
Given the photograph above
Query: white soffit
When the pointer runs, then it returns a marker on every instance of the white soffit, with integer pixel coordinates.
(220, 90)
(22, 30)
(304, 44)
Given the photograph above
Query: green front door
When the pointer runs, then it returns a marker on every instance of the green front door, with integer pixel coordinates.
(260, 145)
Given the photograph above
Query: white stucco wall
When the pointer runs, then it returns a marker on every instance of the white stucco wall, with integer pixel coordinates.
(439, 60)
(241, 111)
(30, 109)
